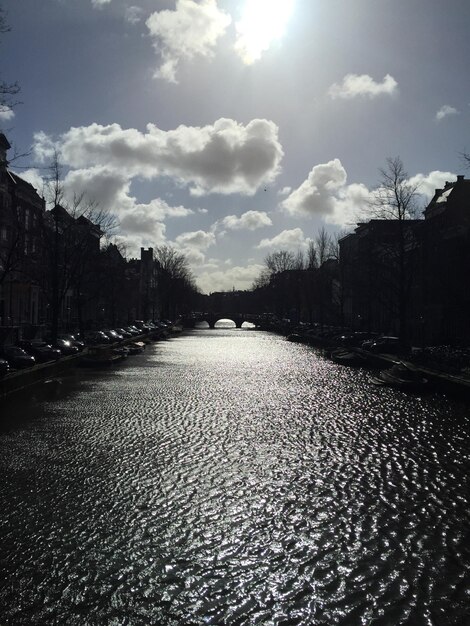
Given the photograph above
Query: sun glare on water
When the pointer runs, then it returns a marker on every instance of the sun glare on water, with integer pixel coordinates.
(262, 22)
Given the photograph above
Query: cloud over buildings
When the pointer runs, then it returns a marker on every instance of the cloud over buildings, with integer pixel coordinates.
(325, 194)
(293, 239)
(227, 278)
(428, 183)
(363, 85)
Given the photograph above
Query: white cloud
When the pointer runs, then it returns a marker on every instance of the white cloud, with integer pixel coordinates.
(325, 194)
(251, 220)
(107, 188)
(34, 178)
(287, 239)
(224, 280)
(226, 157)
(354, 85)
(428, 183)
(445, 111)
(133, 14)
(191, 30)
(194, 245)
(199, 239)
(6, 113)
(43, 147)
(285, 191)
(99, 3)
(142, 224)
(111, 191)
(316, 194)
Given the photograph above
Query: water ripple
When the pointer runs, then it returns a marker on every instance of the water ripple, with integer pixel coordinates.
(227, 478)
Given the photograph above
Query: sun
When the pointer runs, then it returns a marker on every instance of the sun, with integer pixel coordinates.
(262, 21)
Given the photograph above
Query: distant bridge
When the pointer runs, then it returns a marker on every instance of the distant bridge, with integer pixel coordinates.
(191, 319)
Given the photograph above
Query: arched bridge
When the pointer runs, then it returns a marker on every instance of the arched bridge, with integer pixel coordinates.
(191, 319)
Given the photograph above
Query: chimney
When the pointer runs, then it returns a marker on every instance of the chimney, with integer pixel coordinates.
(460, 177)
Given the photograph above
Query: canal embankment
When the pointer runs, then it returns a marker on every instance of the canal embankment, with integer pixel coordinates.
(443, 378)
(40, 374)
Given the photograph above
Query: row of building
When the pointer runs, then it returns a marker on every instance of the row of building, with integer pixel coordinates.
(412, 277)
(56, 274)
(403, 277)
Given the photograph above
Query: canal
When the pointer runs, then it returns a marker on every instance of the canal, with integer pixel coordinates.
(231, 477)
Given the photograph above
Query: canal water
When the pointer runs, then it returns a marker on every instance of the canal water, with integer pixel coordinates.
(230, 477)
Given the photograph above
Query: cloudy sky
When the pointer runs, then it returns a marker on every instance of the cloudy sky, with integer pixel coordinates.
(232, 128)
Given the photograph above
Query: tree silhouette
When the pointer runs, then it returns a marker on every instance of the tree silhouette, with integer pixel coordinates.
(8, 91)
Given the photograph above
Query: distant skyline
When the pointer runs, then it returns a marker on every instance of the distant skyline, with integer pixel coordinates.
(234, 128)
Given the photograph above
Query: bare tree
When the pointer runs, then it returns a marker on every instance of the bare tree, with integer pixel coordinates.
(279, 261)
(8, 91)
(321, 277)
(312, 258)
(323, 246)
(395, 199)
(299, 260)
(176, 286)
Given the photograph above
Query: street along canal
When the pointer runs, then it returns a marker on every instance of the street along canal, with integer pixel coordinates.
(231, 477)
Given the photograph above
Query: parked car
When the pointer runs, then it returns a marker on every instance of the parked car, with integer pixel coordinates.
(17, 357)
(142, 326)
(132, 330)
(97, 337)
(125, 333)
(41, 350)
(66, 347)
(74, 340)
(4, 367)
(137, 330)
(388, 345)
(113, 335)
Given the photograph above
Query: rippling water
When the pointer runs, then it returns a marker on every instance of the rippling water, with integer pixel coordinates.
(231, 477)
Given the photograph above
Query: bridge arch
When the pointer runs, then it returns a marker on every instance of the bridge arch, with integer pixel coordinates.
(213, 320)
(190, 320)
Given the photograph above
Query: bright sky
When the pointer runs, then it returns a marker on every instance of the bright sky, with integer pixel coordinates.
(230, 129)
